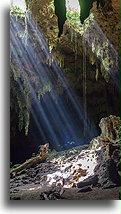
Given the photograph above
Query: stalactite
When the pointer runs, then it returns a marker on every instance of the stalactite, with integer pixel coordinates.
(92, 59)
(76, 49)
(96, 74)
(72, 34)
(27, 120)
(16, 18)
(59, 58)
(84, 86)
(50, 48)
(49, 60)
(26, 30)
(76, 46)
(60, 62)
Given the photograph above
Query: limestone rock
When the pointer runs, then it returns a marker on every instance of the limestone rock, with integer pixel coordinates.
(110, 127)
(110, 134)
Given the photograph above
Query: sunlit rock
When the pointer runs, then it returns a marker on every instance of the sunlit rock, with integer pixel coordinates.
(110, 127)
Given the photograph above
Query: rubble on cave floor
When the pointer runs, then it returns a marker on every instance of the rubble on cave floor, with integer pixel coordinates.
(82, 170)
(85, 170)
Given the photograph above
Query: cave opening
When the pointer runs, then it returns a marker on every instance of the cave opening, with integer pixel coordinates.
(58, 113)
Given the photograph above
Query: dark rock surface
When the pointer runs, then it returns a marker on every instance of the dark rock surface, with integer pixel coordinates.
(85, 189)
(92, 180)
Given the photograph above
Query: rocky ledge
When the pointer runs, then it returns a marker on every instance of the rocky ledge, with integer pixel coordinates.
(83, 173)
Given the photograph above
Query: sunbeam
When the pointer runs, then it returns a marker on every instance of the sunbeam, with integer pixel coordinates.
(60, 121)
(103, 49)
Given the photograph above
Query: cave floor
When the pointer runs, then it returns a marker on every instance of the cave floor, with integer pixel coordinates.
(78, 174)
(34, 192)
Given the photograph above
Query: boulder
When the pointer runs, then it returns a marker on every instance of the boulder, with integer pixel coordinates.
(107, 172)
(110, 127)
(92, 180)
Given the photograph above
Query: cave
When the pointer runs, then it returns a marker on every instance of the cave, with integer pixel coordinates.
(64, 81)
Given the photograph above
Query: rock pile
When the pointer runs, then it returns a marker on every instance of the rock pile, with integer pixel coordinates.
(96, 166)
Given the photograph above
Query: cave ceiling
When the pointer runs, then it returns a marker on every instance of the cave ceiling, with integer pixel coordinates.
(71, 41)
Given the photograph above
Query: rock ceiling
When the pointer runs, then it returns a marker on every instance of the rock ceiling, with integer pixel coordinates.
(102, 52)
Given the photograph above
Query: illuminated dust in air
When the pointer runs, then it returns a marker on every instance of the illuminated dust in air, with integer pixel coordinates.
(59, 119)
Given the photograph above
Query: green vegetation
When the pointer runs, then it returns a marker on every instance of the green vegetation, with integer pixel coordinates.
(66, 153)
(16, 11)
(15, 166)
(24, 75)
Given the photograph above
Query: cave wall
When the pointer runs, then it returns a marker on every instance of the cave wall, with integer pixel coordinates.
(102, 93)
(109, 21)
